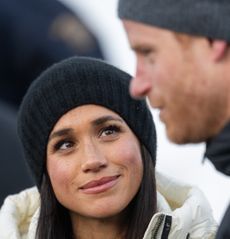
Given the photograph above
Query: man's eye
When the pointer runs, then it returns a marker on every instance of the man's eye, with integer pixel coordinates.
(110, 130)
(144, 51)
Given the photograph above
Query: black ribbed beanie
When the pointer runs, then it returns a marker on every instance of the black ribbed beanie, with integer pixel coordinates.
(209, 18)
(74, 82)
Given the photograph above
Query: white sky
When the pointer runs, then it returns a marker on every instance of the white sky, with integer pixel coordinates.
(182, 162)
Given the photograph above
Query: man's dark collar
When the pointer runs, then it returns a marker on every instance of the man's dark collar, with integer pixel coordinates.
(218, 150)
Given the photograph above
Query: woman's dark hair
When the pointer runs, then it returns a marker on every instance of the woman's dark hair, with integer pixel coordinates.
(54, 220)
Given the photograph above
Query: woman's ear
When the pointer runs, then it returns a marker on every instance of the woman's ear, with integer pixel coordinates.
(219, 49)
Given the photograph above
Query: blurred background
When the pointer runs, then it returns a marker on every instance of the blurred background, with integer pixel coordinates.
(35, 34)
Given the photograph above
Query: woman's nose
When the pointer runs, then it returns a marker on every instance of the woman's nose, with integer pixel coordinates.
(93, 160)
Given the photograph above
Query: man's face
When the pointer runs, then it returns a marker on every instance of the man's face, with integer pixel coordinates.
(180, 79)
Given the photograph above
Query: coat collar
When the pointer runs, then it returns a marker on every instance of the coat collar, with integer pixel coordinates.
(218, 150)
(183, 212)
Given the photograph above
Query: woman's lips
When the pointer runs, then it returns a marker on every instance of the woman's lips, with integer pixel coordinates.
(101, 185)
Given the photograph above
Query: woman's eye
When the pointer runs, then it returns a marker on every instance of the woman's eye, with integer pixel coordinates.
(63, 145)
(110, 130)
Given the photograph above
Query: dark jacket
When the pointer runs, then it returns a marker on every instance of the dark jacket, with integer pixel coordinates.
(224, 229)
(218, 152)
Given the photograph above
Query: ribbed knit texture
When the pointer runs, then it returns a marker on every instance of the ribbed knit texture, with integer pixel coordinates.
(74, 82)
(209, 18)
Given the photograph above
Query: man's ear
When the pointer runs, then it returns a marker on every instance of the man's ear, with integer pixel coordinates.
(219, 49)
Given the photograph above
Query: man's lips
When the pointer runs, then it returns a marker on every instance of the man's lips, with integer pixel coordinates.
(101, 185)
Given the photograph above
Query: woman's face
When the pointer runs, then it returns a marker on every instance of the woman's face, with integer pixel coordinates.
(94, 162)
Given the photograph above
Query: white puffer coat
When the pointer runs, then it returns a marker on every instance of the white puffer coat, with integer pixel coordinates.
(183, 212)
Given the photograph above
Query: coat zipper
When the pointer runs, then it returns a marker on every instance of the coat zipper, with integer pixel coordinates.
(156, 227)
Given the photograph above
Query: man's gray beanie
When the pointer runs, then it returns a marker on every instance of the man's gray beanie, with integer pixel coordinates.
(209, 18)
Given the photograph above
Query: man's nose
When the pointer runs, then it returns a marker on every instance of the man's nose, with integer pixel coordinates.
(93, 160)
(141, 84)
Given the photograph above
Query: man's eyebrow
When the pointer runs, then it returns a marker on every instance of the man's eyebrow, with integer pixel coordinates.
(60, 133)
(104, 119)
(142, 48)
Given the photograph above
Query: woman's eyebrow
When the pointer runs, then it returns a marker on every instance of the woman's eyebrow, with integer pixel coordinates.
(60, 133)
(106, 118)
(95, 122)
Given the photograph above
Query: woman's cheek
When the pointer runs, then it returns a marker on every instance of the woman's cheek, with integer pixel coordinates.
(59, 172)
(129, 153)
